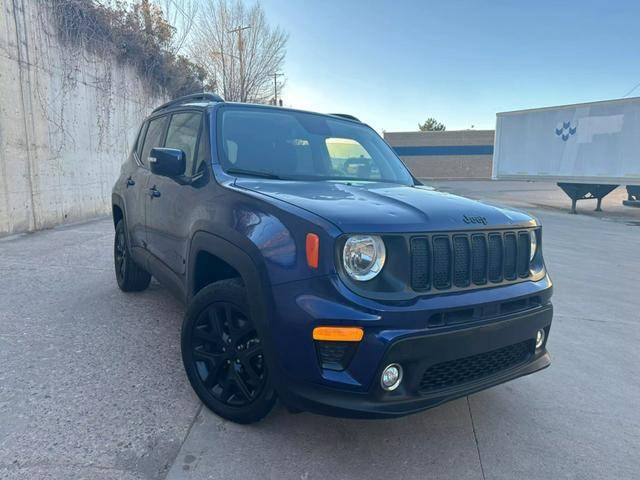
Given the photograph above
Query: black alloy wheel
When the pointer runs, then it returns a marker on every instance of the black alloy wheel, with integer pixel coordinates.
(228, 355)
(223, 354)
(120, 255)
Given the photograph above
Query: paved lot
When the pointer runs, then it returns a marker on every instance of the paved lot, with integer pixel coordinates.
(91, 384)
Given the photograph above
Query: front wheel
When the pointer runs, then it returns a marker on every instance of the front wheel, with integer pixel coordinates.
(223, 355)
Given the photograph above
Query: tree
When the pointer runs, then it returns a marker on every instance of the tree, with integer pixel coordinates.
(238, 50)
(181, 14)
(134, 31)
(432, 125)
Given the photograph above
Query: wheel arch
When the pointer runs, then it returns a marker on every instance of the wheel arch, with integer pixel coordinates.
(253, 275)
(117, 208)
(231, 259)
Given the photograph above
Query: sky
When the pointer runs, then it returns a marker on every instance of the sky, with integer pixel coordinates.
(395, 63)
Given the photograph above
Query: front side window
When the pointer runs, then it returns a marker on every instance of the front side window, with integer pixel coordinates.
(183, 135)
(153, 138)
(304, 146)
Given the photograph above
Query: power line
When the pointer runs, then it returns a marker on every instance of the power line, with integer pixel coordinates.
(186, 17)
(631, 91)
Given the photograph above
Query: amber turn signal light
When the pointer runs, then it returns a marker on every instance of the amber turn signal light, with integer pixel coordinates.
(313, 249)
(338, 334)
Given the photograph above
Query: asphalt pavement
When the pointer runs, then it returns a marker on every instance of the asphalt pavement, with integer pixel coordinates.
(92, 386)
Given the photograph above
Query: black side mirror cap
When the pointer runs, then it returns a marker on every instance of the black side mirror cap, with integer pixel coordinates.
(168, 162)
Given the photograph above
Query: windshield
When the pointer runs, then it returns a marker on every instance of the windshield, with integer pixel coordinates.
(293, 145)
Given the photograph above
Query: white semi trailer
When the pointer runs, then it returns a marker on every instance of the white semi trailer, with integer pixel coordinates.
(589, 149)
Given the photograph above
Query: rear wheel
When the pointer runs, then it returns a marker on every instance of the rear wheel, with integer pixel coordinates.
(130, 276)
(223, 355)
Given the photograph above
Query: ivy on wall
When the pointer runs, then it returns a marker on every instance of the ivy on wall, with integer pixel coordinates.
(135, 33)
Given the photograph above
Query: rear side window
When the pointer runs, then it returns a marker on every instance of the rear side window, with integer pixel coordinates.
(153, 138)
(183, 134)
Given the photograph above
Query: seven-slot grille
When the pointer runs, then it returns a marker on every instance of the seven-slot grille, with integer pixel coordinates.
(462, 260)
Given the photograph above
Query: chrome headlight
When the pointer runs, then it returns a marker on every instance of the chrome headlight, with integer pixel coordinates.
(363, 256)
(533, 244)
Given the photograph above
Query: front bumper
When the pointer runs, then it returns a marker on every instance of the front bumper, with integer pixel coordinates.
(401, 334)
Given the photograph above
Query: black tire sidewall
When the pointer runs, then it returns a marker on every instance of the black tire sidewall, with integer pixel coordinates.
(231, 291)
(135, 278)
(121, 230)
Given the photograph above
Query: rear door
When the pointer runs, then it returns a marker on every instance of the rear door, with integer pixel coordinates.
(174, 199)
(154, 137)
(135, 189)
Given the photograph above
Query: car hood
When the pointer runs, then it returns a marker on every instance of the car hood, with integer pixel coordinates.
(370, 207)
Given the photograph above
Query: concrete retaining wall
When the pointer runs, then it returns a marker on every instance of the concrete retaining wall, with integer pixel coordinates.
(462, 154)
(67, 119)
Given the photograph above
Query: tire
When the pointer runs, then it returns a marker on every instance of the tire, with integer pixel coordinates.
(223, 356)
(130, 276)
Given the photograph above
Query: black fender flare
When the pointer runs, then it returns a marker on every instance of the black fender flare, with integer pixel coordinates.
(117, 200)
(255, 279)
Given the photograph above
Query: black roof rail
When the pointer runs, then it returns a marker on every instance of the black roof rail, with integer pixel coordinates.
(345, 115)
(211, 97)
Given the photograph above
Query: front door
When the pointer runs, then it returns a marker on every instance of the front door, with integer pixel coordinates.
(172, 200)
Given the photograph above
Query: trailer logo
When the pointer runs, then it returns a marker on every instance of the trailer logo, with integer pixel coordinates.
(477, 219)
(564, 130)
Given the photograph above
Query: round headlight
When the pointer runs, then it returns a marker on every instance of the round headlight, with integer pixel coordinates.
(533, 244)
(363, 256)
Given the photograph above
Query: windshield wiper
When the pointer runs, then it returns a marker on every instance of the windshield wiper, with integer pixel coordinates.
(253, 173)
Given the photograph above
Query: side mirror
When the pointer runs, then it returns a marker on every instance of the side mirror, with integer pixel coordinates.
(168, 162)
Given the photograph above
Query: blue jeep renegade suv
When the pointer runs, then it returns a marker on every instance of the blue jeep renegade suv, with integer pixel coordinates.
(317, 270)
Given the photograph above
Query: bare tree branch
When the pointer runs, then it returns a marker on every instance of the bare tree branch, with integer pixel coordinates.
(242, 67)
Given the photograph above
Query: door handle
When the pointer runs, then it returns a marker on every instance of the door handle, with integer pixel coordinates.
(154, 192)
(130, 182)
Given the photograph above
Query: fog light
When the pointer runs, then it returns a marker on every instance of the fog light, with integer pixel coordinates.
(539, 338)
(391, 377)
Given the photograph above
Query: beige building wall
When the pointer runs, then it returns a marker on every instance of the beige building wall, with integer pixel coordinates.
(461, 154)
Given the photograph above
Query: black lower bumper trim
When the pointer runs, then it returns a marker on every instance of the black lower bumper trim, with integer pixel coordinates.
(418, 354)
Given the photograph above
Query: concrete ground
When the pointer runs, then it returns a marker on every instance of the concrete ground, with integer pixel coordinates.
(91, 383)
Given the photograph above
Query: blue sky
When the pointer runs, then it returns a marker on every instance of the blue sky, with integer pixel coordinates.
(394, 63)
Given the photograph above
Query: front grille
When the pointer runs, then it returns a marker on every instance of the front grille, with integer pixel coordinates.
(462, 260)
(476, 367)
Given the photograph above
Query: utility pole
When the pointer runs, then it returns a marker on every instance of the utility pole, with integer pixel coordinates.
(239, 31)
(275, 86)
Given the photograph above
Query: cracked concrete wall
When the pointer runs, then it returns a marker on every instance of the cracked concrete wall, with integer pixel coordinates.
(68, 117)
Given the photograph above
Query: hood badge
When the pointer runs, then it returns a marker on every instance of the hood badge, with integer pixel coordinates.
(476, 219)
